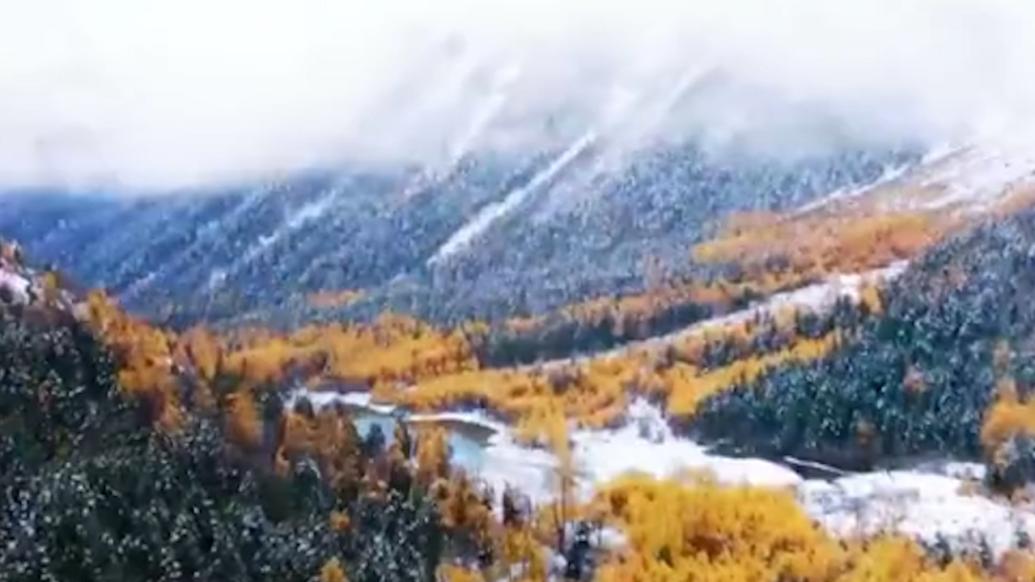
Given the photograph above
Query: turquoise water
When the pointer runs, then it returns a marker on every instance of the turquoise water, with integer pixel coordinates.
(466, 441)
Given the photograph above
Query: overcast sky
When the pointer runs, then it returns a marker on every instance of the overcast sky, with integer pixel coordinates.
(151, 95)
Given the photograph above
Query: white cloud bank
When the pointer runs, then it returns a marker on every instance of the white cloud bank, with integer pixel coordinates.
(163, 94)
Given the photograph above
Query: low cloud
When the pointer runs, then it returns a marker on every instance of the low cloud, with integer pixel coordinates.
(157, 95)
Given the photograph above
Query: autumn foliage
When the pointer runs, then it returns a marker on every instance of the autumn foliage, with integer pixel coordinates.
(157, 366)
(1008, 417)
(245, 426)
(604, 322)
(451, 573)
(333, 572)
(693, 529)
(852, 236)
(680, 372)
(144, 355)
(329, 437)
(394, 349)
(687, 386)
(819, 243)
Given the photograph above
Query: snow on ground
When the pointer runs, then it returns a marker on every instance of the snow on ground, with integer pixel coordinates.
(924, 506)
(967, 177)
(364, 400)
(646, 445)
(817, 297)
(476, 418)
(890, 174)
(321, 398)
(493, 212)
(531, 471)
(928, 504)
(978, 174)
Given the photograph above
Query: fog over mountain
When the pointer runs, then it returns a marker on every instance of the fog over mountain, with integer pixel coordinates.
(140, 97)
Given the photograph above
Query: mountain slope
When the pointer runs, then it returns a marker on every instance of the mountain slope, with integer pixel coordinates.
(956, 328)
(564, 232)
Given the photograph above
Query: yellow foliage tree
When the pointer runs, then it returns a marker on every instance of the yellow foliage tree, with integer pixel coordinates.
(521, 554)
(693, 529)
(244, 424)
(1007, 418)
(889, 559)
(202, 349)
(145, 360)
(451, 573)
(687, 387)
(819, 243)
(333, 572)
(699, 531)
(339, 521)
(432, 455)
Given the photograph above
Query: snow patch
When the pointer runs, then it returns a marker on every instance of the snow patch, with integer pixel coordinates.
(924, 506)
(976, 175)
(818, 297)
(968, 176)
(476, 418)
(533, 472)
(646, 445)
(216, 278)
(493, 212)
(890, 174)
(321, 399)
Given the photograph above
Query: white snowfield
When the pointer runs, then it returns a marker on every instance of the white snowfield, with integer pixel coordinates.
(644, 445)
(968, 178)
(975, 175)
(927, 506)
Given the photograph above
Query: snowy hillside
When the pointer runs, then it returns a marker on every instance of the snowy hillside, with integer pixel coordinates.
(493, 237)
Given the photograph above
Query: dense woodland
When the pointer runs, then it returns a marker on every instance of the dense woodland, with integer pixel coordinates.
(595, 325)
(95, 488)
(954, 339)
(264, 249)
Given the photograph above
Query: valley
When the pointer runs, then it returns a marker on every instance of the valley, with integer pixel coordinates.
(816, 347)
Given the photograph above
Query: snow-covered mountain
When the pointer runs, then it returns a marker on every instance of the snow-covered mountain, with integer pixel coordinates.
(494, 236)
